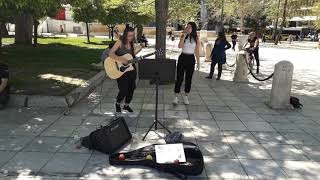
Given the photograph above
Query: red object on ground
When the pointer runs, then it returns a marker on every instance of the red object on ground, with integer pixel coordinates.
(122, 157)
(176, 162)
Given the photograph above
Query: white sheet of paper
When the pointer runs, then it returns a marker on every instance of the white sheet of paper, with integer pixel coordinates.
(168, 153)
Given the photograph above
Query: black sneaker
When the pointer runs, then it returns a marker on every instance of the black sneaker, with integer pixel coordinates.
(209, 77)
(127, 108)
(218, 78)
(118, 108)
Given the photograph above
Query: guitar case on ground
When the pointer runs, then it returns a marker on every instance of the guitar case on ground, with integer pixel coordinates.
(192, 167)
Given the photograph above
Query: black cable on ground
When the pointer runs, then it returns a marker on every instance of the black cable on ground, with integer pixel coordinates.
(254, 76)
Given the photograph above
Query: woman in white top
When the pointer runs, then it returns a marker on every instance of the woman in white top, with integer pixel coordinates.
(190, 44)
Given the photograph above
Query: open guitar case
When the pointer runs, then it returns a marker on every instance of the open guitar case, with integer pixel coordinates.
(192, 167)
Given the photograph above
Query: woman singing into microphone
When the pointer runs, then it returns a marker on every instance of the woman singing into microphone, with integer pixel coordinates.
(190, 44)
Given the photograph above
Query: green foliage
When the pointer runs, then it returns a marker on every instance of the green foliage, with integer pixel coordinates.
(316, 12)
(184, 11)
(84, 11)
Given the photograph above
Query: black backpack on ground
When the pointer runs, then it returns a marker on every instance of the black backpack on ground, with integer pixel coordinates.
(295, 102)
(108, 139)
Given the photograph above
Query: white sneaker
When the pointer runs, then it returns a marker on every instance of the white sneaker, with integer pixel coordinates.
(175, 101)
(186, 100)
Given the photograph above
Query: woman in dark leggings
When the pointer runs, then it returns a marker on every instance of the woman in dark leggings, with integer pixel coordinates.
(253, 49)
(127, 82)
(218, 54)
(190, 44)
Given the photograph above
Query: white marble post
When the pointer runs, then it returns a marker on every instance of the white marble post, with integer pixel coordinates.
(202, 50)
(281, 86)
(241, 73)
(242, 39)
(209, 47)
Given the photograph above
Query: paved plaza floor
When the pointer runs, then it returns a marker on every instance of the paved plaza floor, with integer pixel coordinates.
(239, 136)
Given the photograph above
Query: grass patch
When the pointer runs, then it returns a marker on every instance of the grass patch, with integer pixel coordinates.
(55, 67)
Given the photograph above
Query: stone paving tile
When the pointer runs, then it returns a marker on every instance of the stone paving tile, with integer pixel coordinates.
(69, 121)
(98, 167)
(300, 138)
(263, 169)
(236, 137)
(270, 138)
(59, 131)
(175, 114)
(249, 117)
(45, 144)
(70, 163)
(285, 127)
(43, 119)
(312, 152)
(5, 156)
(221, 116)
(14, 143)
(284, 152)
(216, 149)
(259, 126)
(70, 147)
(193, 108)
(200, 116)
(275, 118)
(177, 123)
(224, 168)
(219, 109)
(25, 162)
(28, 130)
(232, 126)
(305, 170)
(95, 120)
(250, 151)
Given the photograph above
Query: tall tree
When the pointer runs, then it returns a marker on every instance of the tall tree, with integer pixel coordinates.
(183, 11)
(27, 13)
(284, 16)
(277, 20)
(85, 11)
(161, 24)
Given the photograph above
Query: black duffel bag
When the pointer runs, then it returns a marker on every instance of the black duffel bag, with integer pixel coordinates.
(108, 139)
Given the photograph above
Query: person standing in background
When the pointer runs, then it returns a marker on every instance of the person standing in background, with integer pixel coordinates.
(234, 39)
(218, 54)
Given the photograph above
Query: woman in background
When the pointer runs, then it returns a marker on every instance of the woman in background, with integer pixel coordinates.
(218, 54)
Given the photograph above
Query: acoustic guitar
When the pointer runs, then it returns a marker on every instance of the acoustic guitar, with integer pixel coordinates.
(115, 70)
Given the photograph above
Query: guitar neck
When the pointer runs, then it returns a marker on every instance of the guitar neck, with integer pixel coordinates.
(141, 57)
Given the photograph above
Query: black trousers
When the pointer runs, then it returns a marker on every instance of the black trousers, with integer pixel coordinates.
(256, 56)
(185, 69)
(234, 44)
(213, 66)
(126, 85)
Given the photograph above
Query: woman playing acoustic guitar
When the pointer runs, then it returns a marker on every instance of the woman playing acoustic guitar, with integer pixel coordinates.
(127, 82)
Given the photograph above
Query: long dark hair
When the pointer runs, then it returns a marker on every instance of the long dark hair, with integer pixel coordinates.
(222, 36)
(193, 34)
(124, 38)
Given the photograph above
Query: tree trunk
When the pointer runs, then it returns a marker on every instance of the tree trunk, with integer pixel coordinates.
(112, 35)
(161, 24)
(23, 29)
(139, 31)
(277, 20)
(241, 24)
(35, 33)
(4, 30)
(283, 21)
(88, 32)
(0, 36)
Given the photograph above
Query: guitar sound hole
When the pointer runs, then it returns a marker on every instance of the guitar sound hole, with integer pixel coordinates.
(123, 68)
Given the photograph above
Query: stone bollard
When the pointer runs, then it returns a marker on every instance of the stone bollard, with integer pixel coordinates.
(281, 86)
(241, 73)
(204, 35)
(209, 47)
(242, 39)
(202, 50)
